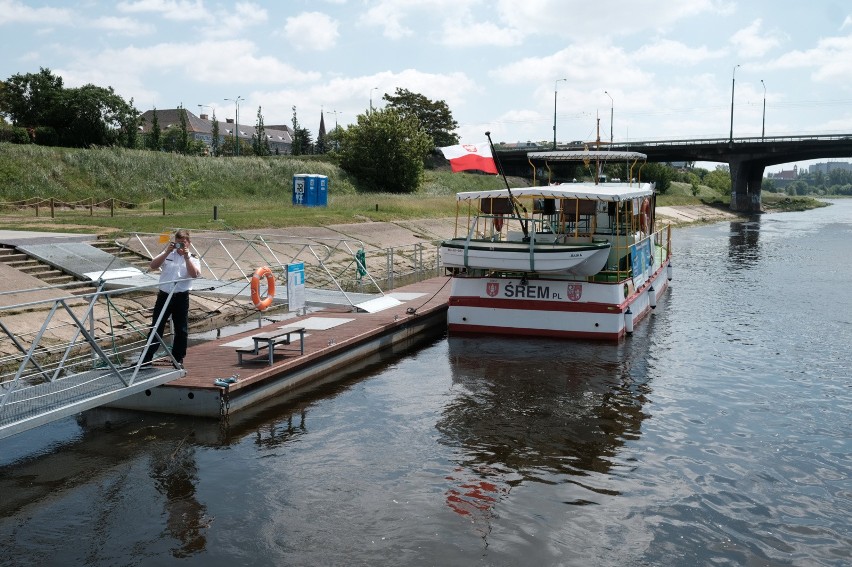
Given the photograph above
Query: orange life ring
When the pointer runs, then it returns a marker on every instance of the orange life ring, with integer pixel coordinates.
(263, 272)
(645, 215)
(498, 223)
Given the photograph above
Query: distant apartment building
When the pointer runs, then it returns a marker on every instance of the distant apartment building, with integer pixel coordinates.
(200, 128)
(829, 166)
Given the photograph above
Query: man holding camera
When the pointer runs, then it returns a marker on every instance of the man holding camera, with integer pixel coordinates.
(177, 265)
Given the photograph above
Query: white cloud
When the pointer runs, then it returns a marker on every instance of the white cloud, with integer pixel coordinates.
(122, 26)
(128, 69)
(390, 15)
(17, 12)
(830, 60)
(312, 31)
(751, 42)
(591, 19)
(458, 33)
(178, 10)
(667, 51)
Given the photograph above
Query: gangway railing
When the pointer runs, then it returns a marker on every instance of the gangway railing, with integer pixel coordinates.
(330, 263)
(72, 359)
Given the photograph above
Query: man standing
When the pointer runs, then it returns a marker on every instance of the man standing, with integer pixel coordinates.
(177, 265)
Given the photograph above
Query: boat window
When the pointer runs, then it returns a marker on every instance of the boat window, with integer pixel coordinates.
(496, 206)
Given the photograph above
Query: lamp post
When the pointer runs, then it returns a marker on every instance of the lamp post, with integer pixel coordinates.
(236, 102)
(371, 98)
(203, 106)
(733, 82)
(555, 85)
(763, 125)
(611, 113)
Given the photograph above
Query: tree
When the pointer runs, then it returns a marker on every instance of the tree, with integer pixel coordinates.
(658, 173)
(81, 117)
(154, 141)
(96, 116)
(434, 116)
(33, 99)
(385, 151)
(259, 141)
(719, 180)
(215, 146)
(301, 138)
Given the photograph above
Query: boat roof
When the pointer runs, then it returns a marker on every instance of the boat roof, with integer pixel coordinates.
(582, 155)
(589, 191)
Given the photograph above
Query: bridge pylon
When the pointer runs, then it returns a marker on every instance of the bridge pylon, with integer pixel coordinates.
(746, 179)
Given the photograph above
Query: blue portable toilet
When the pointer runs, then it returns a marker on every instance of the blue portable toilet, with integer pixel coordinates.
(300, 189)
(310, 190)
(322, 191)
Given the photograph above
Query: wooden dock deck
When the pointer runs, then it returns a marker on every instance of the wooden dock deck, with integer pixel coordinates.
(333, 339)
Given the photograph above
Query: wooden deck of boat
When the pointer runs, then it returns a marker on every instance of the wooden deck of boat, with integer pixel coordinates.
(206, 362)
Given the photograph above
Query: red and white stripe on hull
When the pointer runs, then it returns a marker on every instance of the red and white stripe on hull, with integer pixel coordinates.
(550, 307)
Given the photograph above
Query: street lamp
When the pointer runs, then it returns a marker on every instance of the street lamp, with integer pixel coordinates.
(611, 112)
(371, 98)
(733, 82)
(555, 84)
(763, 127)
(236, 102)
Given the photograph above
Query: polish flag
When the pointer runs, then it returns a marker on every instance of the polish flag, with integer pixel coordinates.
(470, 156)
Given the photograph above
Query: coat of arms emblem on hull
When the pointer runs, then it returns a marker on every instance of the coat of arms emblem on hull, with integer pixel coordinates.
(574, 292)
(492, 288)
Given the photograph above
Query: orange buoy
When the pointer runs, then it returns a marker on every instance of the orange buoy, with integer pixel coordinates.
(263, 272)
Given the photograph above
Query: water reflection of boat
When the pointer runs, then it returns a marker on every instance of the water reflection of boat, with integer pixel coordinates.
(532, 410)
(583, 260)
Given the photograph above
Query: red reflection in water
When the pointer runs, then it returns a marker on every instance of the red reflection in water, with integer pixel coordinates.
(474, 496)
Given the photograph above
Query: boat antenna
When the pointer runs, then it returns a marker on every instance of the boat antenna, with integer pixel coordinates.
(509, 189)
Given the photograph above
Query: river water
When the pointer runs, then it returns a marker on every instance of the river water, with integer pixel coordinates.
(719, 433)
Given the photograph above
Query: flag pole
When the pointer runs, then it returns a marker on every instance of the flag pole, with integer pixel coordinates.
(509, 189)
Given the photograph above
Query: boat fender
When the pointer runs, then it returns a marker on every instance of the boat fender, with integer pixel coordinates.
(669, 271)
(652, 297)
(628, 321)
(498, 224)
(263, 272)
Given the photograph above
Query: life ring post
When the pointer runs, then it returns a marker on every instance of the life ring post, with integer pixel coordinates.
(261, 273)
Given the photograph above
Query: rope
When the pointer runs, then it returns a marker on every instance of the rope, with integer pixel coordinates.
(413, 310)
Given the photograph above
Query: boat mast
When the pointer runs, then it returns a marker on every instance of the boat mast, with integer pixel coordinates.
(509, 189)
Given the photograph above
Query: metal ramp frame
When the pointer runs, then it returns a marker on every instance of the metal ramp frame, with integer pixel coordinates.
(67, 366)
(336, 265)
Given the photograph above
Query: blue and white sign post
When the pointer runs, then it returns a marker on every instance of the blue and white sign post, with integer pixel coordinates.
(296, 286)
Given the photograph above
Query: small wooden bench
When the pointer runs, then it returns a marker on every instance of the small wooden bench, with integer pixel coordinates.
(269, 340)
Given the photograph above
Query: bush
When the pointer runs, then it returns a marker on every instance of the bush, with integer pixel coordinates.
(14, 135)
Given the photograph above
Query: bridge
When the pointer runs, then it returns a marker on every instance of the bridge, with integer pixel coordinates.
(747, 158)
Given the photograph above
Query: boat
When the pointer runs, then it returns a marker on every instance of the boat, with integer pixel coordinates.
(571, 260)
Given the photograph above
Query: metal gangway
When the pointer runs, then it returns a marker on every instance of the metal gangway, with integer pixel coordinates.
(69, 355)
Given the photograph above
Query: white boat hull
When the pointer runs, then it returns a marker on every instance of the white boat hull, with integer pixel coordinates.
(551, 307)
(517, 257)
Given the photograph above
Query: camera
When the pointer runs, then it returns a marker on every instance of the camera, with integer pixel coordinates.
(179, 245)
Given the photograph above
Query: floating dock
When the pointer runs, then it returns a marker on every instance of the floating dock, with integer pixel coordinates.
(333, 339)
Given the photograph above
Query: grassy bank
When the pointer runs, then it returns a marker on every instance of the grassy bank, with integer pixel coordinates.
(246, 192)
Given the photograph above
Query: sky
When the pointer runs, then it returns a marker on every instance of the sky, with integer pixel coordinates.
(637, 70)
